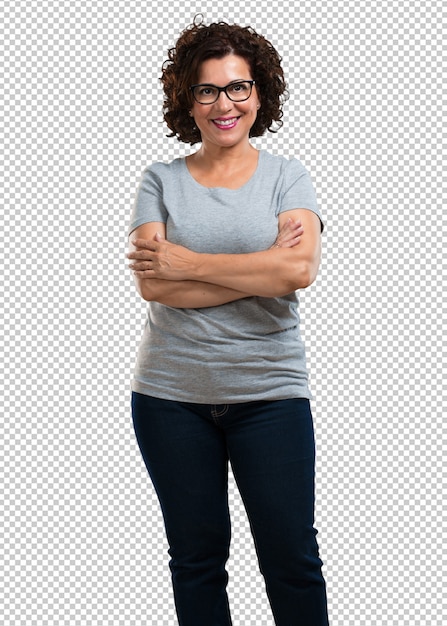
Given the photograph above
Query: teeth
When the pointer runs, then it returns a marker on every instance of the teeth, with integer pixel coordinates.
(225, 122)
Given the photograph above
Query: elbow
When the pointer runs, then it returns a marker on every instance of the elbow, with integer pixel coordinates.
(143, 290)
(303, 276)
(146, 296)
(299, 270)
(153, 290)
(308, 275)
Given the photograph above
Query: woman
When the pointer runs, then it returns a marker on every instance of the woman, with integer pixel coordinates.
(219, 242)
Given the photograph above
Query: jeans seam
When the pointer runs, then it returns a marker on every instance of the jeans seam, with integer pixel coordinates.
(216, 412)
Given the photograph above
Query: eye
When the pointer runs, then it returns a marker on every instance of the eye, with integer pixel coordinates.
(239, 88)
(206, 90)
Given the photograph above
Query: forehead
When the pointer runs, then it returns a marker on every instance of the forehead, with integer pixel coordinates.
(224, 70)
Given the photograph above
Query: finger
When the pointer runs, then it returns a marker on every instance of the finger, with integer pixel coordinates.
(292, 234)
(292, 243)
(140, 255)
(145, 244)
(159, 237)
(296, 226)
(144, 273)
(290, 226)
(142, 264)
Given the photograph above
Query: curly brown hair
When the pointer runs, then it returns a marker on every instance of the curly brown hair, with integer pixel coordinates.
(198, 43)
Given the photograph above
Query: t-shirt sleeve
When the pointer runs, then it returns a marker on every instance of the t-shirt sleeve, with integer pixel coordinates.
(148, 205)
(298, 191)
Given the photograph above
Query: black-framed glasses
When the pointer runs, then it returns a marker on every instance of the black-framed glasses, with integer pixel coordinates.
(237, 91)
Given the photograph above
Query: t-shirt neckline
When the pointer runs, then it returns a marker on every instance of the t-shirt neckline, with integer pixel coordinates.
(224, 189)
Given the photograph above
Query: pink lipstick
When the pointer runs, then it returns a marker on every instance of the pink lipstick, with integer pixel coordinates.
(225, 123)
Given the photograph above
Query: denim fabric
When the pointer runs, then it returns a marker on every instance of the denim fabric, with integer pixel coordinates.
(270, 444)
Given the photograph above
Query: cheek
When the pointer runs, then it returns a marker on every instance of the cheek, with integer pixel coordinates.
(197, 111)
(250, 109)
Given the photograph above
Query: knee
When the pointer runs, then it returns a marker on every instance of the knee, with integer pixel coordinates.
(201, 545)
(294, 557)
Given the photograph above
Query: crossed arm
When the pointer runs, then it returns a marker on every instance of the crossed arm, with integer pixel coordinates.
(178, 277)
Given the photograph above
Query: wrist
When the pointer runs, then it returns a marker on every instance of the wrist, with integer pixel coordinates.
(199, 264)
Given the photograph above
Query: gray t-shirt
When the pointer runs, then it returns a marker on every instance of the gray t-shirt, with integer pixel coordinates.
(243, 351)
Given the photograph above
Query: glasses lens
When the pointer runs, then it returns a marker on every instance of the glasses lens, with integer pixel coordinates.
(205, 94)
(239, 91)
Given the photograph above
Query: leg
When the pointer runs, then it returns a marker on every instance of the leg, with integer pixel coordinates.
(186, 457)
(271, 447)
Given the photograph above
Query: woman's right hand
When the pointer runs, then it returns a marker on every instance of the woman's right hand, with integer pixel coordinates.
(290, 234)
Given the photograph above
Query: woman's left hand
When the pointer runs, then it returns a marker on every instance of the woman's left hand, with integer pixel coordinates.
(289, 235)
(159, 258)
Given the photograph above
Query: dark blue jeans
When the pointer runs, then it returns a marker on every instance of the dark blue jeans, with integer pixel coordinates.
(186, 448)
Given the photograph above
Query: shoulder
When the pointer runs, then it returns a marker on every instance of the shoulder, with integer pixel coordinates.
(285, 166)
(159, 176)
(162, 169)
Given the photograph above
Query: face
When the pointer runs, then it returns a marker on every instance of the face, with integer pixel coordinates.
(225, 123)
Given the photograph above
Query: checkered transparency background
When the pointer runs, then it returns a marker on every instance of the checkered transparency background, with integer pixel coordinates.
(82, 540)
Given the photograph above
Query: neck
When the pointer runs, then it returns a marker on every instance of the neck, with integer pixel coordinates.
(212, 156)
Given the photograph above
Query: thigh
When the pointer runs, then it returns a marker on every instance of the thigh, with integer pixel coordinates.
(272, 453)
(186, 457)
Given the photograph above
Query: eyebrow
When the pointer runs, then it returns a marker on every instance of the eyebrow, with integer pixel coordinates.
(236, 80)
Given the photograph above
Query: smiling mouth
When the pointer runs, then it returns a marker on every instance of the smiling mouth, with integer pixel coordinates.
(230, 123)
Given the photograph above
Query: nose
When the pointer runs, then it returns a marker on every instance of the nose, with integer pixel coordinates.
(223, 101)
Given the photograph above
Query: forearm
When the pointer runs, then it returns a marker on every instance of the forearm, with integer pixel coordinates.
(186, 293)
(271, 273)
